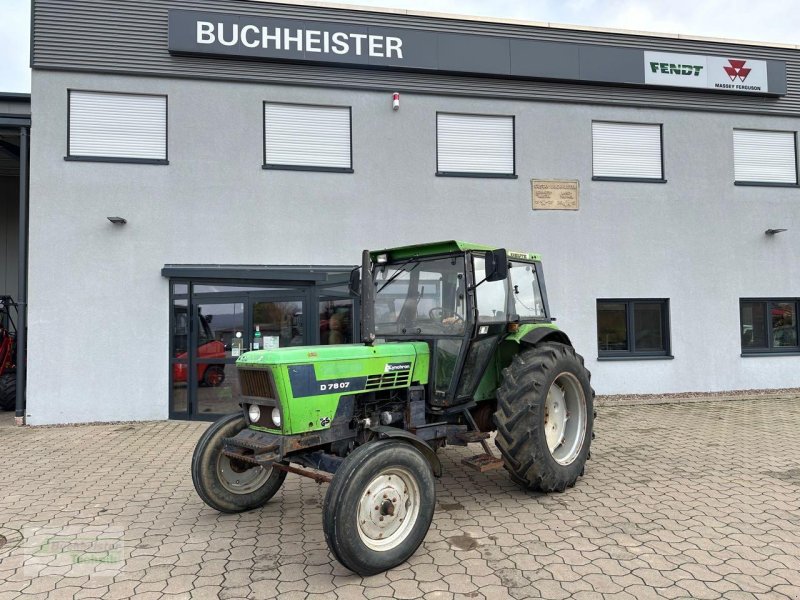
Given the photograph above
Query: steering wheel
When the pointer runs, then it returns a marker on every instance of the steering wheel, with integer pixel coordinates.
(436, 315)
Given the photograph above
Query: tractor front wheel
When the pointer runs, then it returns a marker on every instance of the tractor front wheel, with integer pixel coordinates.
(225, 484)
(379, 506)
(8, 391)
(544, 417)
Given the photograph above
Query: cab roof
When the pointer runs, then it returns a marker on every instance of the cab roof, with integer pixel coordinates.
(444, 247)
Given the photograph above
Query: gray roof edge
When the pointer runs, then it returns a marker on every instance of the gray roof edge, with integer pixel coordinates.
(14, 97)
(526, 23)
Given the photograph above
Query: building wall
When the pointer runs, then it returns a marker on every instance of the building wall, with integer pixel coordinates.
(96, 294)
(9, 236)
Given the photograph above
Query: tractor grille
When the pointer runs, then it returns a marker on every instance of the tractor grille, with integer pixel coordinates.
(388, 380)
(257, 382)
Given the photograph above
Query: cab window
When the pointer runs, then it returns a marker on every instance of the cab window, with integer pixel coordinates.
(526, 292)
(421, 297)
(491, 296)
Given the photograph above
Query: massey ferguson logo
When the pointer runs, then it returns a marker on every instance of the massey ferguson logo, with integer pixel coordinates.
(737, 70)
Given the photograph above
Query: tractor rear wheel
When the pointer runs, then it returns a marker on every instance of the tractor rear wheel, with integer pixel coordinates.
(225, 484)
(544, 417)
(8, 391)
(379, 506)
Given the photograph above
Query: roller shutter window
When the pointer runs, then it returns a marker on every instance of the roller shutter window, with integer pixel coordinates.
(117, 127)
(764, 156)
(314, 138)
(479, 145)
(626, 151)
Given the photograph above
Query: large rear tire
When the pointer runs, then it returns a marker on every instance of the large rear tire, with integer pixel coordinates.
(544, 417)
(8, 391)
(224, 484)
(379, 506)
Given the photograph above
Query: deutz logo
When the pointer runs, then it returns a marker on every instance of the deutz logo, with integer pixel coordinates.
(673, 69)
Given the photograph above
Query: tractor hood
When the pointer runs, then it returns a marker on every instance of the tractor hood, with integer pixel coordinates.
(309, 380)
(391, 352)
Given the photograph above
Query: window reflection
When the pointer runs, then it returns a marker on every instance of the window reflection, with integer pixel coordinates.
(335, 322)
(784, 326)
(612, 326)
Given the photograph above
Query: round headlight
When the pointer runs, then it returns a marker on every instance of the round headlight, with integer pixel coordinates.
(254, 412)
(276, 417)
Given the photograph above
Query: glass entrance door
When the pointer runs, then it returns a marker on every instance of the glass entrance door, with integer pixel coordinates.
(220, 334)
(213, 323)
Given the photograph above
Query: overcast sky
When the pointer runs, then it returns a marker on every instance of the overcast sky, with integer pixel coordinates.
(765, 20)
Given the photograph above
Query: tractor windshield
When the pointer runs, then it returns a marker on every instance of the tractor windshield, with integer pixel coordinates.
(421, 297)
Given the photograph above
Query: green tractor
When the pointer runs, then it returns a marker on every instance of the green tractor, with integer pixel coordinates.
(458, 342)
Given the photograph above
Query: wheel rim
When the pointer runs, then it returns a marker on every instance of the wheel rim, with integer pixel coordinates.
(237, 479)
(214, 376)
(388, 509)
(565, 418)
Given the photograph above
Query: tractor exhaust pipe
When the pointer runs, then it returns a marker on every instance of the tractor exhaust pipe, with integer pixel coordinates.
(367, 300)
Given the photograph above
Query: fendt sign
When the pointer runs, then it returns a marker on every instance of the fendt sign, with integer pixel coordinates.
(707, 72)
(272, 38)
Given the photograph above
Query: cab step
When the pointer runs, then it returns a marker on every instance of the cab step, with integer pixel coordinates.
(472, 436)
(483, 462)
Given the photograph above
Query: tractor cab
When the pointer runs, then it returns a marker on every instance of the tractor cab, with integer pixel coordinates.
(461, 299)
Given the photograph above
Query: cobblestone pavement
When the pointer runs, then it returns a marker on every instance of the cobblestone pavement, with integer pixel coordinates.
(679, 501)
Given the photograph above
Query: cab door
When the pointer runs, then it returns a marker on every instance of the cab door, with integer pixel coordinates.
(491, 308)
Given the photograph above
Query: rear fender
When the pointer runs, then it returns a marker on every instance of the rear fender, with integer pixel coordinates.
(528, 335)
(385, 432)
(544, 334)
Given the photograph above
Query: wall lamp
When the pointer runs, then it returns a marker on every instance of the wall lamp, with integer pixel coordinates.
(117, 220)
(773, 231)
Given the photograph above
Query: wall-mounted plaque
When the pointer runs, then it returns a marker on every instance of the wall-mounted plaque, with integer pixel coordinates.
(555, 194)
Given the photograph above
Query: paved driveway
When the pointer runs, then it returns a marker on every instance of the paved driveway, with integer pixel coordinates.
(679, 501)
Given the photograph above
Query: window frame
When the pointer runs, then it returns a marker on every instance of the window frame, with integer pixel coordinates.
(478, 174)
(117, 159)
(661, 179)
(771, 350)
(632, 353)
(778, 184)
(308, 168)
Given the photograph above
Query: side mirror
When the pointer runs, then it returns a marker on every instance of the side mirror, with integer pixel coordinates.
(354, 286)
(496, 265)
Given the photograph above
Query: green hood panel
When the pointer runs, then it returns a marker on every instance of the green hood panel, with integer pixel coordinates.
(310, 380)
(304, 354)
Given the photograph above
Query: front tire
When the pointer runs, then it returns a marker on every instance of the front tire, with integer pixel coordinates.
(379, 506)
(544, 417)
(227, 485)
(8, 391)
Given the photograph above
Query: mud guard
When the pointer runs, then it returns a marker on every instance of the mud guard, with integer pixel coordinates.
(534, 336)
(385, 432)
